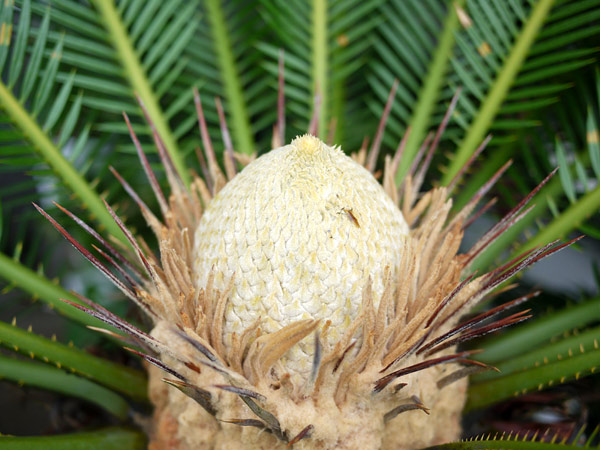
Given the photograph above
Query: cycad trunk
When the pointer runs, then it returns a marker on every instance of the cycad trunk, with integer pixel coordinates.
(180, 423)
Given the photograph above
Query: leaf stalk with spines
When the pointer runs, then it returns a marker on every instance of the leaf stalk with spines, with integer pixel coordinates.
(41, 287)
(505, 442)
(115, 376)
(52, 378)
(537, 378)
(575, 343)
(529, 336)
(111, 438)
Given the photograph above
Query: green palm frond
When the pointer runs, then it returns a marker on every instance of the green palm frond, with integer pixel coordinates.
(415, 47)
(30, 120)
(223, 54)
(46, 144)
(120, 51)
(325, 45)
(530, 358)
(571, 199)
(112, 438)
(503, 64)
(538, 54)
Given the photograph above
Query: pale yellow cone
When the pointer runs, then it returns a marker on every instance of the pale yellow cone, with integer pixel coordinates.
(302, 229)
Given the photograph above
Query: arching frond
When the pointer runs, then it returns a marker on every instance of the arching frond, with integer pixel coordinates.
(325, 46)
(528, 360)
(569, 202)
(503, 64)
(414, 46)
(224, 56)
(121, 51)
(31, 120)
(539, 53)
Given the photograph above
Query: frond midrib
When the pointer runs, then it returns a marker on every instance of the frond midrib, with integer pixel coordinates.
(139, 82)
(52, 155)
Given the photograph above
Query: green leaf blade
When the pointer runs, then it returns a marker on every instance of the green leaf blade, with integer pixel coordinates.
(20, 46)
(115, 376)
(499, 89)
(54, 379)
(486, 393)
(113, 438)
(35, 58)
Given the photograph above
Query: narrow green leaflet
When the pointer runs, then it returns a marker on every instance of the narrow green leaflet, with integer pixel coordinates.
(534, 379)
(46, 377)
(530, 335)
(115, 376)
(20, 44)
(112, 438)
(593, 141)
(564, 173)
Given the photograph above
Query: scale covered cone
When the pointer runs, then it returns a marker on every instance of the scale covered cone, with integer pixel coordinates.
(302, 230)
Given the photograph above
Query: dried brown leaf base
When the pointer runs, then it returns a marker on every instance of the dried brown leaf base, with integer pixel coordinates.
(180, 423)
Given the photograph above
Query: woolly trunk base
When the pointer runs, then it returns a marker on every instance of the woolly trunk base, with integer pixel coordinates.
(179, 423)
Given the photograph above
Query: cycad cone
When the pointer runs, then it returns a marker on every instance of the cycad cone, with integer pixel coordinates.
(301, 230)
(305, 232)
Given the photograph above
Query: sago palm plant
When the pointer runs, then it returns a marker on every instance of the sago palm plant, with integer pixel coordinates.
(313, 296)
